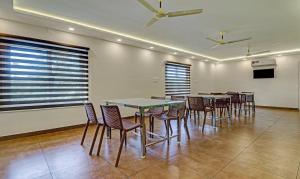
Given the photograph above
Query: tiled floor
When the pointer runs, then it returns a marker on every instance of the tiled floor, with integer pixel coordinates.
(264, 146)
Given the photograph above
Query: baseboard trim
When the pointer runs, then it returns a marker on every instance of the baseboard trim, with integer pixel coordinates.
(274, 107)
(28, 134)
(46, 131)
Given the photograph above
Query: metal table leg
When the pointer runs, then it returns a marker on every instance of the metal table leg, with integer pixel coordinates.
(143, 133)
(214, 117)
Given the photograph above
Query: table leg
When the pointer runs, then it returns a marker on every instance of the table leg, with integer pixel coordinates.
(229, 113)
(108, 129)
(179, 130)
(214, 117)
(143, 133)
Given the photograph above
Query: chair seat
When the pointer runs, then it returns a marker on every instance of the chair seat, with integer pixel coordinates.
(148, 114)
(165, 117)
(128, 125)
(100, 120)
(208, 109)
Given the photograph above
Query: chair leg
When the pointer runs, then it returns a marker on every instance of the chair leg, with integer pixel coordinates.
(135, 120)
(195, 117)
(178, 130)
(166, 125)
(120, 135)
(168, 132)
(186, 129)
(108, 132)
(170, 126)
(204, 121)
(120, 148)
(151, 125)
(84, 132)
(101, 139)
(94, 139)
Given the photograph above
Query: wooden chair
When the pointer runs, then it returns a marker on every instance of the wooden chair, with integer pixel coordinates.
(250, 102)
(112, 118)
(152, 113)
(235, 102)
(199, 104)
(91, 118)
(176, 112)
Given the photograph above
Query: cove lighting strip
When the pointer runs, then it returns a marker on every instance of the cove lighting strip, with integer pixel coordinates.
(33, 12)
(263, 54)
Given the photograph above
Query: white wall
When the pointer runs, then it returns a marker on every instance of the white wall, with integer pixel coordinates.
(281, 91)
(116, 71)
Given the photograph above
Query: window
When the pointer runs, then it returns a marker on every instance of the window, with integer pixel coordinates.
(177, 79)
(41, 74)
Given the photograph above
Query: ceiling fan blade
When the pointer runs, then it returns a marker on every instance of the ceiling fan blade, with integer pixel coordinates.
(148, 6)
(215, 46)
(240, 40)
(256, 53)
(152, 21)
(184, 13)
(213, 40)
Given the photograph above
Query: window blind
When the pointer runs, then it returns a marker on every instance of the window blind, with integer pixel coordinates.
(177, 79)
(36, 73)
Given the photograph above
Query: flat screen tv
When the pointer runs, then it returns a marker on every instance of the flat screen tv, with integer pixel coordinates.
(263, 73)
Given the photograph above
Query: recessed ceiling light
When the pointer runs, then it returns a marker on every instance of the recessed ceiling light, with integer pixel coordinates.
(151, 47)
(71, 29)
(175, 53)
(119, 40)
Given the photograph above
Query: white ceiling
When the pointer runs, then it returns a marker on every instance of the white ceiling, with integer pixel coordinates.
(273, 24)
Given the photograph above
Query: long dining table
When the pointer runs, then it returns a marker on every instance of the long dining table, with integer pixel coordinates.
(142, 104)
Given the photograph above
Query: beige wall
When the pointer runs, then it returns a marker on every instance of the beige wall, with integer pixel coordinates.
(116, 71)
(121, 71)
(282, 91)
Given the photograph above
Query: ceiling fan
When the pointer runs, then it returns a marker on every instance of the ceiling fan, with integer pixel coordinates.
(160, 13)
(255, 53)
(223, 42)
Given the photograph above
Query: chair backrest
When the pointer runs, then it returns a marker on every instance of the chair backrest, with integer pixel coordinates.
(90, 112)
(111, 116)
(250, 97)
(235, 97)
(196, 103)
(157, 110)
(243, 98)
(178, 110)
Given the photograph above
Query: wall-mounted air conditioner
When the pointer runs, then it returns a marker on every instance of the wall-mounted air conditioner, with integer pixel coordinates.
(264, 63)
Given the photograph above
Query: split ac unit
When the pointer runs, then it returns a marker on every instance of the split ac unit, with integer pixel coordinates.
(264, 63)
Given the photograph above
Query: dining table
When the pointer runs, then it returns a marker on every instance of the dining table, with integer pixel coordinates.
(142, 104)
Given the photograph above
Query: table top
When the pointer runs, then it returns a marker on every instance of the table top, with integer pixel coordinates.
(143, 102)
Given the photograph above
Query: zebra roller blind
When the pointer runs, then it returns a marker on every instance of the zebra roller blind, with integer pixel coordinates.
(177, 79)
(41, 74)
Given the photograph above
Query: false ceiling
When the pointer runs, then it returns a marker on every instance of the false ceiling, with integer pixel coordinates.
(272, 24)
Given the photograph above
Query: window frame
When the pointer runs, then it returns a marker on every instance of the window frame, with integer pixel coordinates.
(177, 79)
(37, 74)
